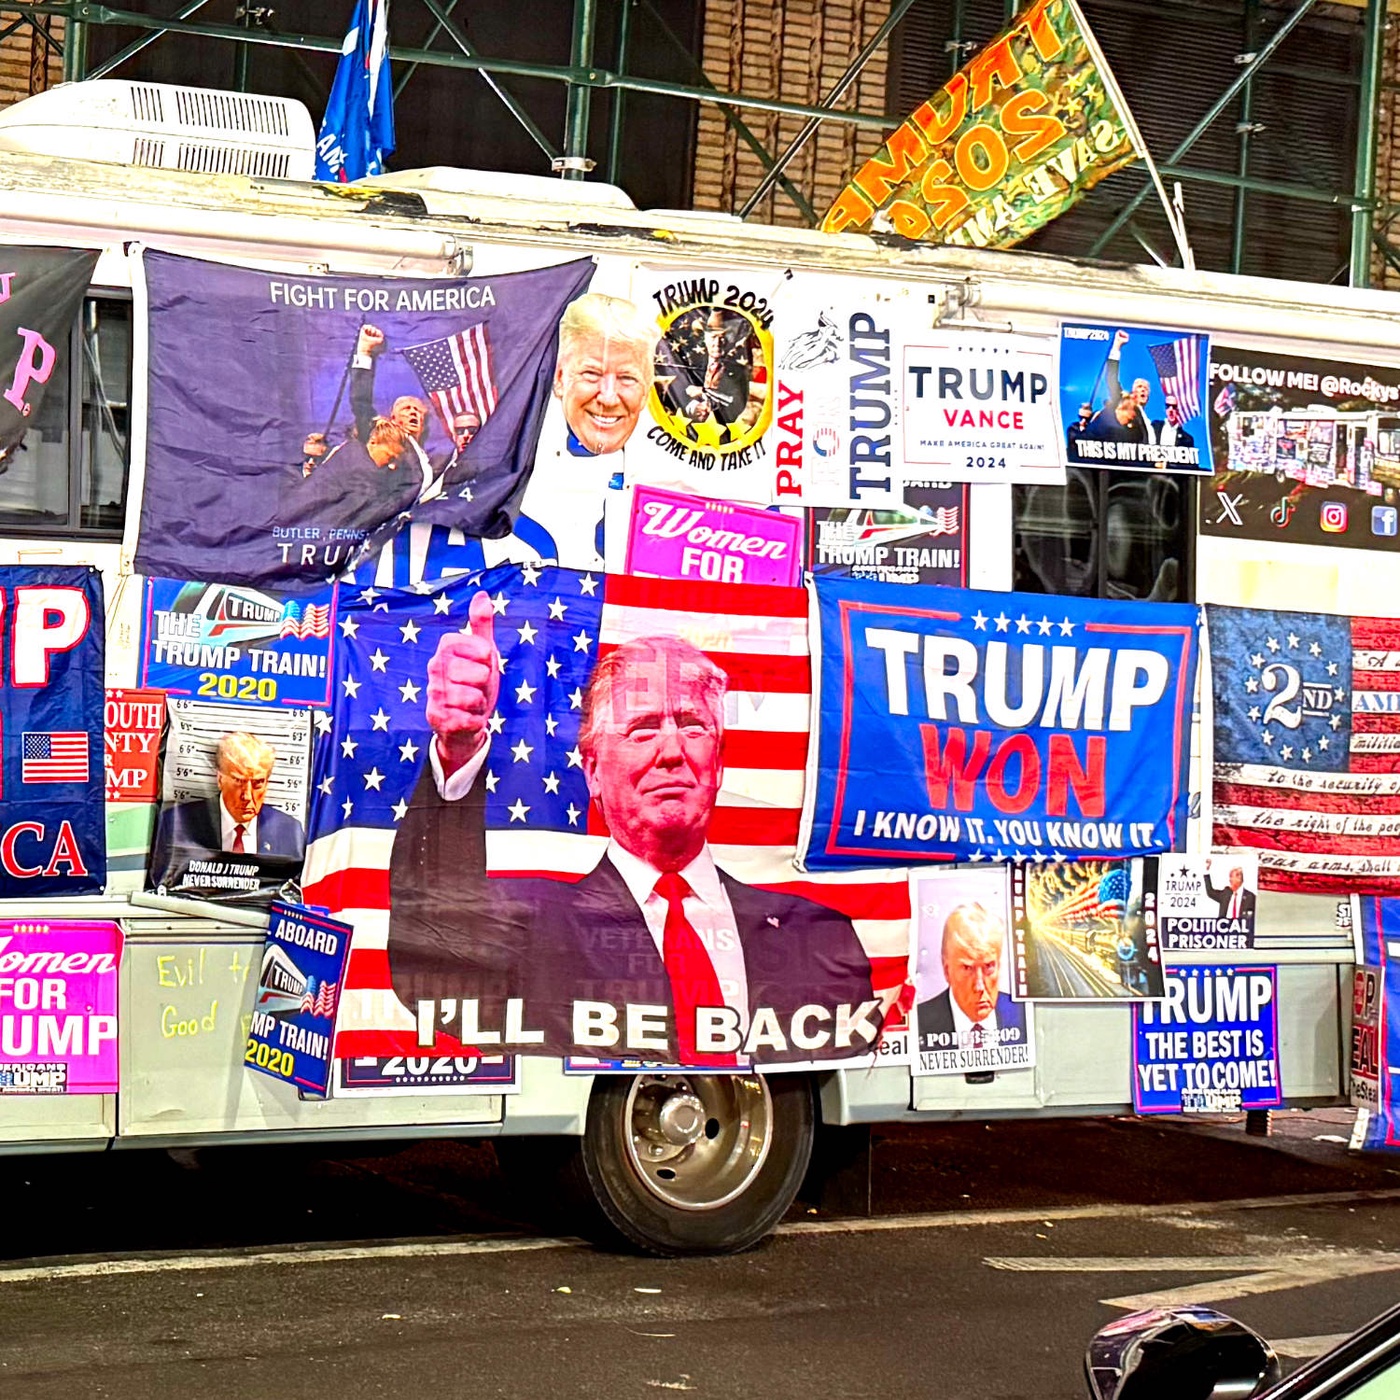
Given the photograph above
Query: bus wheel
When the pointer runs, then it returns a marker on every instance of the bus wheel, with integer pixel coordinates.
(695, 1163)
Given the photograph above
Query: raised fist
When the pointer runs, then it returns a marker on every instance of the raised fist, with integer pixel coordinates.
(370, 341)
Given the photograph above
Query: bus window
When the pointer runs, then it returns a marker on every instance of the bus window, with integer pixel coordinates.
(70, 475)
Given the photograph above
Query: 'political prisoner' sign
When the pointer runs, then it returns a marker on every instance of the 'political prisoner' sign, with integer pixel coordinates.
(1211, 1046)
(956, 725)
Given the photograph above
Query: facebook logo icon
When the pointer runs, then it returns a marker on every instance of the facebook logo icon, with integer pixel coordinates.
(1385, 520)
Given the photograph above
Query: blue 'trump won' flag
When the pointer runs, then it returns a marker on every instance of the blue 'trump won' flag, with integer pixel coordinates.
(357, 132)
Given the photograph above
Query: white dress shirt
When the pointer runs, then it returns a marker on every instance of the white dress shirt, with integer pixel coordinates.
(707, 908)
(964, 1025)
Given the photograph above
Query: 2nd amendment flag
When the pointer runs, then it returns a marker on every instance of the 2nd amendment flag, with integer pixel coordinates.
(41, 290)
(1016, 137)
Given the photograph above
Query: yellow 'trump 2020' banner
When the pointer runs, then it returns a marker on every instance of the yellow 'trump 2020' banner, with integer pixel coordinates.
(1013, 139)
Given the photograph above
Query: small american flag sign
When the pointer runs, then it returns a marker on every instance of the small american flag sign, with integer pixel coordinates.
(58, 757)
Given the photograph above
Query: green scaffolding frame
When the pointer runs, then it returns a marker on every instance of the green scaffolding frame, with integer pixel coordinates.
(582, 77)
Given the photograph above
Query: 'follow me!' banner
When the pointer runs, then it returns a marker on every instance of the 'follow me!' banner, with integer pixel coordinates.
(584, 844)
(1015, 137)
(960, 725)
(52, 837)
(296, 421)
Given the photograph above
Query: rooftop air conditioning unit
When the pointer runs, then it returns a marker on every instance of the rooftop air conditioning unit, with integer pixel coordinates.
(165, 127)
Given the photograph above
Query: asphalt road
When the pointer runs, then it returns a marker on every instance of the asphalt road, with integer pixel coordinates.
(993, 1253)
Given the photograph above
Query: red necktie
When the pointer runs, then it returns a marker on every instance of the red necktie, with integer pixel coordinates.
(691, 973)
(1235, 905)
(238, 845)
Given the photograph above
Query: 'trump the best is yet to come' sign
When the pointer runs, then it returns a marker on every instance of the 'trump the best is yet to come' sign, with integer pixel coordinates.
(1211, 1046)
(958, 725)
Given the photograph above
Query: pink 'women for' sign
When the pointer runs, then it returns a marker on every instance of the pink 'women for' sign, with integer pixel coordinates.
(688, 537)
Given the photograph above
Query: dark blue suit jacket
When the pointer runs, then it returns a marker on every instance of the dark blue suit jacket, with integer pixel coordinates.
(455, 934)
(195, 826)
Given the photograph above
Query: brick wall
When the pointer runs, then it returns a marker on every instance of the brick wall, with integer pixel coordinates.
(793, 50)
(1383, 274)
(27, 64)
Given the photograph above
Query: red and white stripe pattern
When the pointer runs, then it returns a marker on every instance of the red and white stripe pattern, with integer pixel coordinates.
(1332, 829)
(457, 374)
(758, 636)
(314, 622)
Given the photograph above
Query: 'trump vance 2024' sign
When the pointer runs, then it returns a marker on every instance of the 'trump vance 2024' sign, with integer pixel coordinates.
(957, 725)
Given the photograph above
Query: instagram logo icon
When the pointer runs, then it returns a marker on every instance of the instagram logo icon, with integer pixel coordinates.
(1334, 517)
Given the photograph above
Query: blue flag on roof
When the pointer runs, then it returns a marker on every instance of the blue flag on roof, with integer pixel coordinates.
(357, 132)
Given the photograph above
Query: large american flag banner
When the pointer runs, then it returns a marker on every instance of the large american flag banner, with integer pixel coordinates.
(1307, 747)
(551, 626)
(1178, 365)
(456, 374)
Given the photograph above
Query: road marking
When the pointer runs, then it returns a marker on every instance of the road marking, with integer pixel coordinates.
(1298, 1272)
(252, 1259)
(1305, 1348)
(943, 1219)
(1168, 1264)
(60, 1270)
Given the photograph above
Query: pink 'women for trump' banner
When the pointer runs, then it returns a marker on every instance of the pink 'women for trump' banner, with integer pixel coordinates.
(58, 1007)
(687, 537)
(504, 897)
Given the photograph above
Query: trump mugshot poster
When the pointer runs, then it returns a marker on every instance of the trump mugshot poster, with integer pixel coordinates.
(1134, 398)
(963, 725)
(340, 407)
(560, 826)
(964, 1016)
(232, 820)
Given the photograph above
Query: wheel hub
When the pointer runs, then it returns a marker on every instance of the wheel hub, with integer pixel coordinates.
(681, 1119)
(698, 1141)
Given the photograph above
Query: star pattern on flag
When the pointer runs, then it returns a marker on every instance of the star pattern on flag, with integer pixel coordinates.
(371, 753)
(1278, 681)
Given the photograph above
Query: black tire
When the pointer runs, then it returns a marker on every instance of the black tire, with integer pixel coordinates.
(730, 1205)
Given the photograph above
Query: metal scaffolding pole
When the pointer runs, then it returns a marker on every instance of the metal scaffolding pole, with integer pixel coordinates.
(590, 77)
(1197, 131)
(897, 13)
(731, 118)
(74, 49)
(144, 42)
(1244, 129)
(624, 39)
(1365, 182)
(445, 26)
(579, 101)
